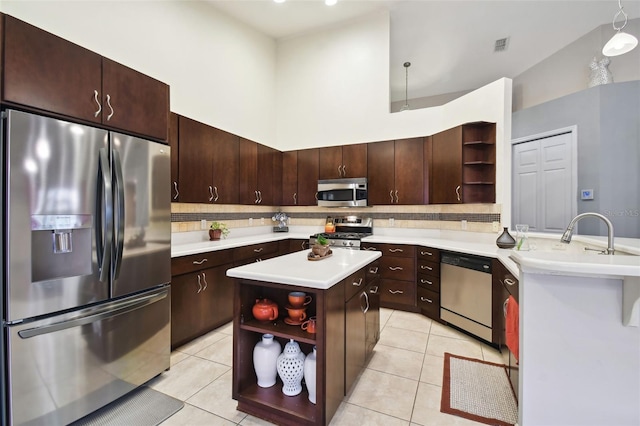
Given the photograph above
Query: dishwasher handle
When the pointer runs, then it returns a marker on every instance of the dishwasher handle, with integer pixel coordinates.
(477, 263)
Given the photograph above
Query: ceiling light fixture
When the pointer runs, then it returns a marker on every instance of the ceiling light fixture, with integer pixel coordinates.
(330, 2)
(279, 1)
(621, 42)
(406, 86)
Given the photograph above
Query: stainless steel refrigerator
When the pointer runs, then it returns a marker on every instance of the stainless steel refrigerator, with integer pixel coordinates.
(86, 267)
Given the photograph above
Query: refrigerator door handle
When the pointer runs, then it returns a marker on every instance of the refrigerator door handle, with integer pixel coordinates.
(119, 212)
(104, 215)
(94, 315)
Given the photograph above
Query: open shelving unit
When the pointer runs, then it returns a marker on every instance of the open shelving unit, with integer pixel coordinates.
(479, 162)
(270, 403)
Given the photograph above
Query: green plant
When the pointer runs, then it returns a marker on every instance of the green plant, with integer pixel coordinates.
(322, 240)
(221, 226)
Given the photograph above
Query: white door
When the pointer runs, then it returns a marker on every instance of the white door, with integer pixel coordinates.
(544, 193)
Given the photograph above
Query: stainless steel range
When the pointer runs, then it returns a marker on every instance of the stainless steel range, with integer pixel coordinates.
(349, 230)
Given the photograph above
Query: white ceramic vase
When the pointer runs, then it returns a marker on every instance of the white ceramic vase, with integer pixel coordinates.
(310, 375)
(265, 358)
(291, 368)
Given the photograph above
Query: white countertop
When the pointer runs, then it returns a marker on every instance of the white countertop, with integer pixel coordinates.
(296, 269)
(548, 254)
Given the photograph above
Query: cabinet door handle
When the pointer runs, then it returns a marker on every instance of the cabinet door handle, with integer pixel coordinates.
(175, 187)
(424, 299)
(110, 107)
(357, 284)
(258, 250)
(259, 197)
(458, 192)
(215, 188)
(344, 171)
(210, 193)
(374, 289)
(509, 281)
(316, 196)
(366, 298)
(303, 245)
(256, 200)
(396, 291)
(396, 250)
(423, 281)
(391, 196)
(204, 278)
(295, 198)
(369, 248)
(395, 268)
(95, 96)
(339, 170)
(199, 262)
(426, 267)
(199, 284)
(397, 197)
(504, 307)
(426, 253)
(373, 270)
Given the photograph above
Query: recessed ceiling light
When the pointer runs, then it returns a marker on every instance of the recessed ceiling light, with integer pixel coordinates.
(279, 1)
(330, 2)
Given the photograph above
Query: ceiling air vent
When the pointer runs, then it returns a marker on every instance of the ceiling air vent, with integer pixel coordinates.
(501, 44)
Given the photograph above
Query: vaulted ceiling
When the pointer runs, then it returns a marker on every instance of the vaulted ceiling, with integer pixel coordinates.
(449, 43)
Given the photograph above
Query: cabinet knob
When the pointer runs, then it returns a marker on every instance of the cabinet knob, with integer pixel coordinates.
(509, 281)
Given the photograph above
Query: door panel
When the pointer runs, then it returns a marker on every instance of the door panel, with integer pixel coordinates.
(58, 377)
(543, 192)
(145, 241)
(52, 170)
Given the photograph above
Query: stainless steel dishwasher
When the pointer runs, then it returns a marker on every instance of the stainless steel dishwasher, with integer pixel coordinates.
(465, 291)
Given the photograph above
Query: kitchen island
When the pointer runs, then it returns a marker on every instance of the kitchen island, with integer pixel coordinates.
(329, 282)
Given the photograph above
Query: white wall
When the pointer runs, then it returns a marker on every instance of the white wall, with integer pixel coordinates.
(333, 89)
(221, 72)
(567, 71)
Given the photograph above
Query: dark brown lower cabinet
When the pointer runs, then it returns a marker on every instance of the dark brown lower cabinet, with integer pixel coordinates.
(200, 302)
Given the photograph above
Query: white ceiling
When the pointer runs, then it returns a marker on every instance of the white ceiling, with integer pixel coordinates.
(448, 42)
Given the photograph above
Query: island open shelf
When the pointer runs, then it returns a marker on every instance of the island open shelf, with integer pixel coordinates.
(326, 283)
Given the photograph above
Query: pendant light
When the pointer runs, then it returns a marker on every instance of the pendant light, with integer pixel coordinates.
(406, 87)
(621, 42)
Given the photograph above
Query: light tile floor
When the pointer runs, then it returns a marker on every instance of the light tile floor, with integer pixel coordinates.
(401, 385)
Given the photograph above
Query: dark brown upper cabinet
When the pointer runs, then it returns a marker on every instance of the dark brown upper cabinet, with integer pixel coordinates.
(208, 164)
(260, 174)
(463, 165)
(396, 172)
(308, 161)
(47, 73)
(348, 161)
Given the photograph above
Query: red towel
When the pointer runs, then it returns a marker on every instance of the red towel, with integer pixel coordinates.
(512, 329)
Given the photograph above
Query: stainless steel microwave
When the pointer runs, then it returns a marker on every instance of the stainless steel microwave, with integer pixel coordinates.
(350, 192)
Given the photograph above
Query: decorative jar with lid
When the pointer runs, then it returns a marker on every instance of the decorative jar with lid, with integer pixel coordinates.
(291, 368)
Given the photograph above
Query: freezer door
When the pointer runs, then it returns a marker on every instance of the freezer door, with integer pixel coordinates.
(57, 196)
(142, 214)
(66, 367)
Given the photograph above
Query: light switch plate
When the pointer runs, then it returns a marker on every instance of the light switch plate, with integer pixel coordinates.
(586, 194)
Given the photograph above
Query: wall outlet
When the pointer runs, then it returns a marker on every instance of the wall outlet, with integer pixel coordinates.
(203, 224)
(262, 221)
(250, 221)
(495, 226)
(392, 221)
(463, 225)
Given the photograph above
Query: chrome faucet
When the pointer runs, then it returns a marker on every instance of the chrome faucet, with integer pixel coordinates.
(566, 237)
